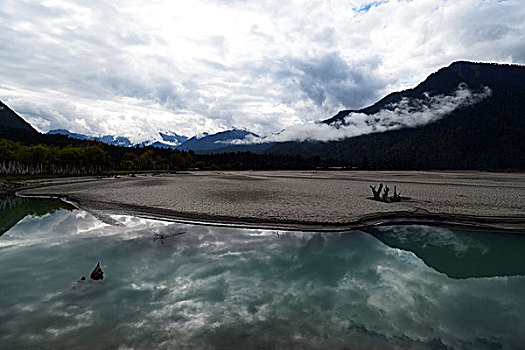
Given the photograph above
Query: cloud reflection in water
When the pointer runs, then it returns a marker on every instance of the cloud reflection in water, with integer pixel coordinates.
(222, 288)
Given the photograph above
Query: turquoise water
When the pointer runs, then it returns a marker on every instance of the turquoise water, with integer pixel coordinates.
(395, 287)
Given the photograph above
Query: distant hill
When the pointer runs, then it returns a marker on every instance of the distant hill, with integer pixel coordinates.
(115, 140)
(9, 119)
(70, 134)
(489, 134)
(107, 139)
(216, 141)
(249, 147)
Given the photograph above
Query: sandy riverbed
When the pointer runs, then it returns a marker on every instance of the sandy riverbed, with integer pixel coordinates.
(307, 200)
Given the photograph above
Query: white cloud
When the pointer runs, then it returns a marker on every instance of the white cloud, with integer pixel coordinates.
(132, 67)
(407, 113)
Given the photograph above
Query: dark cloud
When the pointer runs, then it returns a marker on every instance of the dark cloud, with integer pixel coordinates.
(330, 81)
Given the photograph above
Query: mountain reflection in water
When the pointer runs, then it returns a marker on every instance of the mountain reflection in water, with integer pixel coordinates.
(218, 288)
(459, 253)
(13, 209)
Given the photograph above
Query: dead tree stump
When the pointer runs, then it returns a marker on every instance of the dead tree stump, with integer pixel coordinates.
(397, 196)
(97, 273)
(385, 194)
(377, 193)
(381, 194)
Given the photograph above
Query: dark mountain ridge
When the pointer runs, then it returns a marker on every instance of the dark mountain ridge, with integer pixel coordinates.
(489, 134)
(9, 119)
(446, 80)
(15, 128)
(208, 143)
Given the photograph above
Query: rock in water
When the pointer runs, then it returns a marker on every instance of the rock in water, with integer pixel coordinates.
(97, 273)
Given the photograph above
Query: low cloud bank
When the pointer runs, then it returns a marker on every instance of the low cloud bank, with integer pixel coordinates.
(407, 113)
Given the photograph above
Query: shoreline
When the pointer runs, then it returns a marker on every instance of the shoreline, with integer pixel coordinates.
(503, 224)
(291, 200)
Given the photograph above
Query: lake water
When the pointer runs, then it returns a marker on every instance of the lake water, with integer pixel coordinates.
(413, 287)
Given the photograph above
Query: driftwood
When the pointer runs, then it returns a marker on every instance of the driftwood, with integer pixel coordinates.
(384, 197)
(377, 192)
(97, 273)
(397, 196)
(163, 236)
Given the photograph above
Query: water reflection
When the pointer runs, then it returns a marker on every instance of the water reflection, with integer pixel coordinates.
(237, 288)
(459, 253)
(13, 209)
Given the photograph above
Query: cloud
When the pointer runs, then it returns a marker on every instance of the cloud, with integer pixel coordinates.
(331, 82)
(205, 66)
(407, 113)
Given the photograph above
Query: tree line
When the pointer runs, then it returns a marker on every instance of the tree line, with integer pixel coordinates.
(92, 158)
(19, 159)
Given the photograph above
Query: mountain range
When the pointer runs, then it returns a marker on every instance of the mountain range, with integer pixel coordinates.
(108, 139)
(420, 128)
(204, 144)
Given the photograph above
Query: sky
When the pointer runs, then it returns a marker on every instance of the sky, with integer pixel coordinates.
(132, 68)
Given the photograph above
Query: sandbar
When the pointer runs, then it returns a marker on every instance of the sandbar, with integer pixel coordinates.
(305, 200)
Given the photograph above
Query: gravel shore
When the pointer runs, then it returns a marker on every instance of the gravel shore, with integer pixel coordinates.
(307, 200)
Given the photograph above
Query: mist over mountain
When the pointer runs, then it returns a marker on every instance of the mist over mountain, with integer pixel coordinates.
(409, 112)
(475, 76)
(485, 130)
(173, 138)
(168, 140)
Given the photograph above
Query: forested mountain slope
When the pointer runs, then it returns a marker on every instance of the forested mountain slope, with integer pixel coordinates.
(489, 134)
